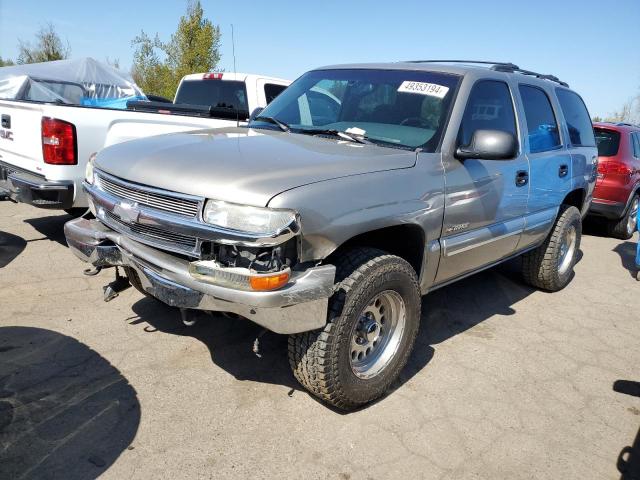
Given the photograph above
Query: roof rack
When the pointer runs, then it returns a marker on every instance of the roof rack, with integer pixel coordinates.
(507, 67)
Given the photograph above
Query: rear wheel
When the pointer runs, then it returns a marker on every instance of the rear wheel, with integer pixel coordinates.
(550, 266)
(373, 321)
(627, 225)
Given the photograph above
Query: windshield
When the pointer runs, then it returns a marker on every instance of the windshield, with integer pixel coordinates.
(608, 142)
(229, 94)
(406, 109)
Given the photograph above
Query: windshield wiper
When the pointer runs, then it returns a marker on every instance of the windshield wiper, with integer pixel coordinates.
(337, 133)
(283, 126)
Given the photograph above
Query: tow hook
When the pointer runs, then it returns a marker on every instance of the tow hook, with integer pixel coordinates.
(92, 272)
(112, 290)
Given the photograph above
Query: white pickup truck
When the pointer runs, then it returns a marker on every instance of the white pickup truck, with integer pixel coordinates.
(44, 147)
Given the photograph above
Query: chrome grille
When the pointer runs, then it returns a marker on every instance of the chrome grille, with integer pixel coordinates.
(150, 234)
(186, 207)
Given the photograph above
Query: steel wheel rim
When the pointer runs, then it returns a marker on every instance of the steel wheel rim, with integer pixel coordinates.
(567, 250)
(632, 222)
(376, 336)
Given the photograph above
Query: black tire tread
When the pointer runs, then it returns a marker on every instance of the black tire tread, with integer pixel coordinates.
(618, 228)
(312, 363)
(539, 266)
(134, 280)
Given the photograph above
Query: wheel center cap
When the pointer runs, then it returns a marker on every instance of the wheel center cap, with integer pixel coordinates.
(370, 330)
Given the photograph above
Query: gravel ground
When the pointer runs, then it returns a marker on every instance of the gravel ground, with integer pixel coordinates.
(505, 382)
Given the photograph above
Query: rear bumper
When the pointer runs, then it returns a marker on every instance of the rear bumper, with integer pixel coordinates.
(24, 187)
(298, 307)
(608, 209)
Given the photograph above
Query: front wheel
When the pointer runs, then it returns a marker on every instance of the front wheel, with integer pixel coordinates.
(550, 266)
(373, 321)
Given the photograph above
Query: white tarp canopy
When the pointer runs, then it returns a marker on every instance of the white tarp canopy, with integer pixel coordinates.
(82, 81)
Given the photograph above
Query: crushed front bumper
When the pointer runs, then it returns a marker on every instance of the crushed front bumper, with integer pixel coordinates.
(299, 306)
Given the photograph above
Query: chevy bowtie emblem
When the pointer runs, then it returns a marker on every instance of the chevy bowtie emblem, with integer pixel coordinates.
(127, 211)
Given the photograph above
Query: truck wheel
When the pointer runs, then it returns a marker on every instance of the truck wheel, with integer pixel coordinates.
(550, 266)
(134, 280)
(626, 226)
(373, 320)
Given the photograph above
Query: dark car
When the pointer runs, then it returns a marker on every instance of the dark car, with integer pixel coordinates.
(617, 191)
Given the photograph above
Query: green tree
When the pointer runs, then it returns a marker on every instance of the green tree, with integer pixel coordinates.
(48, 47)
(148, 71)
(194, 47)
(6, 62)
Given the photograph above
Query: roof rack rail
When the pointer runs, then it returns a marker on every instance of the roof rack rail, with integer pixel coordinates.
(507, 67)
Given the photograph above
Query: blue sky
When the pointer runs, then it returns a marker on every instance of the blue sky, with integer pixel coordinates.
(591, 44)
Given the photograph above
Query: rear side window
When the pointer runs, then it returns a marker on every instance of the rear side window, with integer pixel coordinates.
(608, 142)
(635, 143)
(542, 127)
(229, 94)
(577, 117)
(271, 91)
(489, 107)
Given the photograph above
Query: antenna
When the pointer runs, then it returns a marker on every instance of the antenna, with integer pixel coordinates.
(235, 72)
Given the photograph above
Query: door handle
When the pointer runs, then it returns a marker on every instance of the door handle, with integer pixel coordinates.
(563, 171)
(6, 121)
(522, 178)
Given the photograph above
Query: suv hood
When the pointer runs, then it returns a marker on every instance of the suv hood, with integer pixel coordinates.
(243, 165)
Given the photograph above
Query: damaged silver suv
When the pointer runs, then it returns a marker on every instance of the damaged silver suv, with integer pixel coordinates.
(359, 189)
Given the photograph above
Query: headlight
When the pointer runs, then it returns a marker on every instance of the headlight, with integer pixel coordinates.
(88, 170)
(256, 220)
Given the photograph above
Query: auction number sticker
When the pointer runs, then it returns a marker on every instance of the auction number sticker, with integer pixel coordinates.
(430, 89)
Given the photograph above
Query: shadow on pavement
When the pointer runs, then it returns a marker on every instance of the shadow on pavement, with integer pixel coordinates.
(229, 340)
(52, 227)
(446, 312)
(10, 247)
(627, 251)
(65, 411)
(628, 462)
(456, 308)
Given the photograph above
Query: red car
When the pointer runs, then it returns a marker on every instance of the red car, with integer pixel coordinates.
(617, 191)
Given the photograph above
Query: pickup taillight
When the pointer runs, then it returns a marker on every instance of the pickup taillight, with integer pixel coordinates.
(59, 144)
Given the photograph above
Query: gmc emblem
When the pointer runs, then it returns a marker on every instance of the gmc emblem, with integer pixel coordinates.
(6, 134)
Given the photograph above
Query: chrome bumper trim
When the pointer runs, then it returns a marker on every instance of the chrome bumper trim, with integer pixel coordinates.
(189, 227)
(298, 307)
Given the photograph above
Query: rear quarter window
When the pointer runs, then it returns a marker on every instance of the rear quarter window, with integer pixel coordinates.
(608, 142)
(577, 118)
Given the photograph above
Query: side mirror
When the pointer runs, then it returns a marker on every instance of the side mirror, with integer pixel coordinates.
(256, 111)
(489, 145)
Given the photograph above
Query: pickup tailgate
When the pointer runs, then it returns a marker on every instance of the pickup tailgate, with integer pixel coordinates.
(20, 135)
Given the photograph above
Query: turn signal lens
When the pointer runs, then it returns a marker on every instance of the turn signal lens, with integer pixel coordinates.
(270, 282)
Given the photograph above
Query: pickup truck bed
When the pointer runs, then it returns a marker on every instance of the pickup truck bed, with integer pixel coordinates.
(76, 132)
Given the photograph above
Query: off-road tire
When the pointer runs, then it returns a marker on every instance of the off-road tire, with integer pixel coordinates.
(320, 359)
(620, 228)
(540, 266)
(134, 280)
